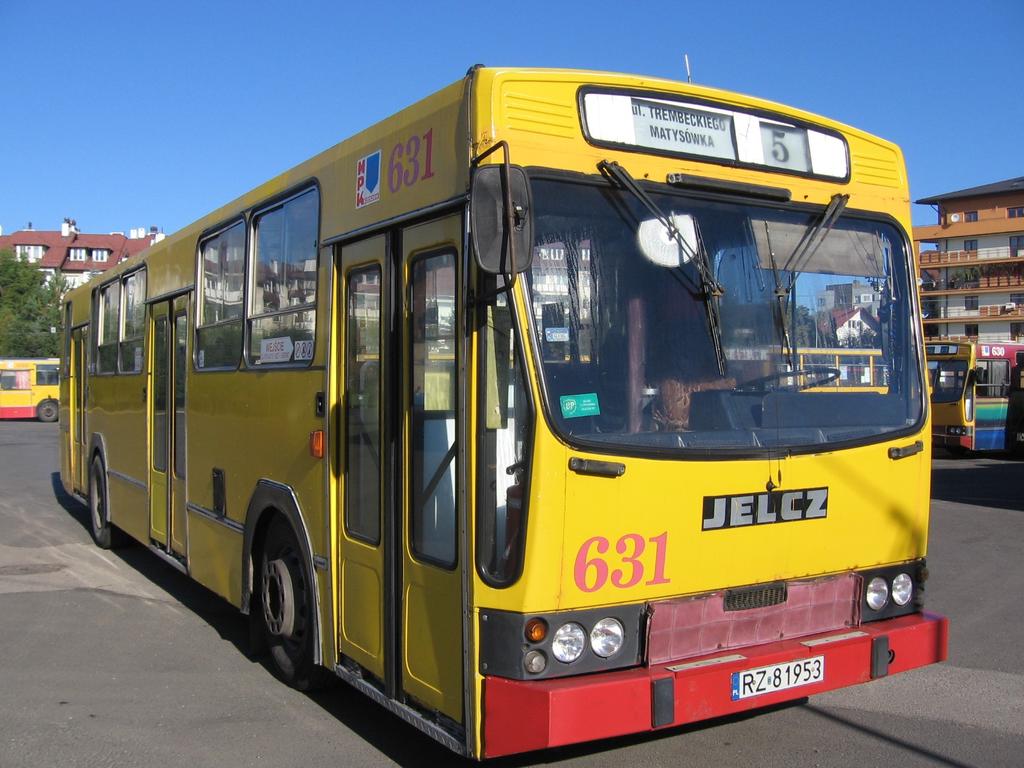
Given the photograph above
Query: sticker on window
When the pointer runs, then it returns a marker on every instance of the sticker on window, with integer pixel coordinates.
(304, 350)
(577, 406)
(278, 350)
(556, 334)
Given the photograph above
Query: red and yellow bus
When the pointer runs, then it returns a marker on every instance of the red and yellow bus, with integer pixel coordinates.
(29, 388)
(558, 406)
(977, 395)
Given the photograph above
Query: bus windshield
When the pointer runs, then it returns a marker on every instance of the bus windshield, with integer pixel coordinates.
(948, 378)
(746, 327)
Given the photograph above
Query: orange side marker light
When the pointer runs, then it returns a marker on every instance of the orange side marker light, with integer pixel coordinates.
(316, 444)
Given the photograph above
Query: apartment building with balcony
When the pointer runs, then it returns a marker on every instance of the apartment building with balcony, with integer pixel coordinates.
(972, 264)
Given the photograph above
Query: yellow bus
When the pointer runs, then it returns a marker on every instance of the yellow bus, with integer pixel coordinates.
(506, 410)
(29, 388)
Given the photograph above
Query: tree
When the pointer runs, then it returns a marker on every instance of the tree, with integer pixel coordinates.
(30, 319)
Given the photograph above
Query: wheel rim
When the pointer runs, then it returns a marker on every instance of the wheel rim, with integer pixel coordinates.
(278, 598)
(284, 597)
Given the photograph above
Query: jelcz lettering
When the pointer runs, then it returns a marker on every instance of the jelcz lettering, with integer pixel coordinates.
(749, 509)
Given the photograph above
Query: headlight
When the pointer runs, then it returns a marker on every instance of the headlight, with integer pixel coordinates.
(902, 589)
(535, 662)
(878, 593)
(606, 637)
(568, 642)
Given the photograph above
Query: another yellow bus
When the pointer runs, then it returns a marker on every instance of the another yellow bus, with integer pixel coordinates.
(518, 410)
(29, 388)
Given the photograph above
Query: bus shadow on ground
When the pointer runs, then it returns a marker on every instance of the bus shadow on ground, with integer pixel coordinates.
(933, 757)
(222, 617)
(979, 482)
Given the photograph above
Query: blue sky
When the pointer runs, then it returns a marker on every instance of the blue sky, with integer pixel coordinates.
(127, 114)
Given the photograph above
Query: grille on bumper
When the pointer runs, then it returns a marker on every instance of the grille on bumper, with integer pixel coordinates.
(755, 597)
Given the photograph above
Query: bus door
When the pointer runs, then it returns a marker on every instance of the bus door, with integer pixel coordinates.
(401, 585)
(168, 345)
(431, 596)
(363, 534)
(79, 381)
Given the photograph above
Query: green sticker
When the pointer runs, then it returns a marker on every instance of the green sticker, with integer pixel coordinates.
(576, 406)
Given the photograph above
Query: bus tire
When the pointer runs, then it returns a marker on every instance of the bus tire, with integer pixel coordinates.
(105, 535)
(47, 411)
(287, 607)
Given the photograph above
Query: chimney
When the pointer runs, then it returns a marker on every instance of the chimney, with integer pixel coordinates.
(65, 227)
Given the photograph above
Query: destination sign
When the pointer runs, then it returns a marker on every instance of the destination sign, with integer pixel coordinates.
(680, 128)
(718, 134)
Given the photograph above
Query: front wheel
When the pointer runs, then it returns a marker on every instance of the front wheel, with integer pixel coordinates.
(47, 411)
(287, 607)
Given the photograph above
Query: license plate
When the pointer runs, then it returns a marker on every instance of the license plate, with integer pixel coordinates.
(777, 677)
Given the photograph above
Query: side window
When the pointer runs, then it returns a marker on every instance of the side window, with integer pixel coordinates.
(133, 325)
(47, 375)
(15, 380)
(432, 396)
(282, 316)
(362, 405)
(219, 321)
(108, 319)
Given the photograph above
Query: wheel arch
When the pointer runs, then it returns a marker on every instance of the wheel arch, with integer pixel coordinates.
(98, 447)
(270, 498)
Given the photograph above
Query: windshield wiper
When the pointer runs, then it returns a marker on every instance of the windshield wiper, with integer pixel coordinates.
(711, 290)
(812, 239)
(782, 295)
(815, 236)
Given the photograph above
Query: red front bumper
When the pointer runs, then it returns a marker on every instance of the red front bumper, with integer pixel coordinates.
(520, 716)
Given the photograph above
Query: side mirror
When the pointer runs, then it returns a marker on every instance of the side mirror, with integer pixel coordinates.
(500, 219)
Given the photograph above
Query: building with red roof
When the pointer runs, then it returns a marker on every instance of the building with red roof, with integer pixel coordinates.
(77, 256)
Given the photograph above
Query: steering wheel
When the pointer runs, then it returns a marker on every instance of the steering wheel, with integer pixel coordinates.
(815, 378)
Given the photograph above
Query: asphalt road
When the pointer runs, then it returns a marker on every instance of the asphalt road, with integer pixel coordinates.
(115, 659)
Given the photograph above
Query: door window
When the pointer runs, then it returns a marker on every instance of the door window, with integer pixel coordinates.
(160, 394)
(180, 356)
(433, 408)
(362, 405)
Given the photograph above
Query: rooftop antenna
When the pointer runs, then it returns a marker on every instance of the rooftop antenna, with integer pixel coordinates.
(686, 59)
